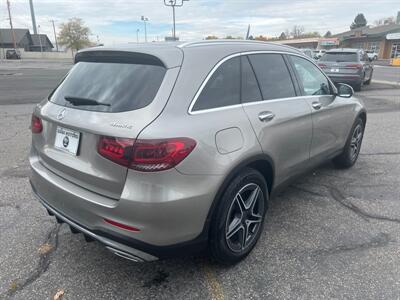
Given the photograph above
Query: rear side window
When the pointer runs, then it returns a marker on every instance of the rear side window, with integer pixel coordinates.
(273, 76)
(223, 88)
(109, 86)
(250, 88)
(340, 57)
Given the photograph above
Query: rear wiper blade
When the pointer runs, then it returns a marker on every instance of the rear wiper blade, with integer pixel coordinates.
(78, 101)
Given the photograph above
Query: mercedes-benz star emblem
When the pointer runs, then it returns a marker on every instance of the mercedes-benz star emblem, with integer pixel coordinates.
(65, 141)
(61, 114)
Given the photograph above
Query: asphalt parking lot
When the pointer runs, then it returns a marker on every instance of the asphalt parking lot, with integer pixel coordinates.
(331, 234)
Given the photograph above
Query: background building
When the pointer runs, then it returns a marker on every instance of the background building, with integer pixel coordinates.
(311, 43)
(41, 40)
(24, 40)
(380, 39)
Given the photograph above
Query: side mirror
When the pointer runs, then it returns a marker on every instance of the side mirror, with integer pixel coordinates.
(345, 90)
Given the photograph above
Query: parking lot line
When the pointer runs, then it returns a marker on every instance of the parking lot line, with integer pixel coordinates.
(386, 82)
(213, 285)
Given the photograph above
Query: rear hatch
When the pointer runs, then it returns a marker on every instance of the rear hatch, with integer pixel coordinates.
(340, 63)
(105, 94)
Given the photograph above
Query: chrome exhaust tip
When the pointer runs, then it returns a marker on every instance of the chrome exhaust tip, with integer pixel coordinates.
(124, 254)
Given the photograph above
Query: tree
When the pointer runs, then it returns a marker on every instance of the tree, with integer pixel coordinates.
(211, 37)
(310, 35)
(74, 34)
(261, 38)
(328, 34)
(359, 21)
(230, 37)
(283, 36)
(297, 31)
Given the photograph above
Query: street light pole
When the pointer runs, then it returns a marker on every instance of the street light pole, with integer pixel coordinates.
(137, 35)
(145, 19)
(173, 4)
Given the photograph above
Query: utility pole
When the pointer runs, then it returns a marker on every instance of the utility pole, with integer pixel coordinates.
(40, 40)
(33, 17)
(173, 4)
(2, 49)
(11, 25)
(55, 35)
(144, 19)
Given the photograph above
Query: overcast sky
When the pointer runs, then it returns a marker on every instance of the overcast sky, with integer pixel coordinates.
(116, 21)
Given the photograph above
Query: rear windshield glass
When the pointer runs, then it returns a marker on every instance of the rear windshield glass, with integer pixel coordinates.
(340, 57)
(109, 87)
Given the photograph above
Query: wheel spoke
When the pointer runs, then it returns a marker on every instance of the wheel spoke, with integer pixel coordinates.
(255, 218)
(246, 236)
(234, 227)
(240, 203)
(253, 198)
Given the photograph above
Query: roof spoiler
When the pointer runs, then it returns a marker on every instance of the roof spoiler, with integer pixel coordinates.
(121, 57)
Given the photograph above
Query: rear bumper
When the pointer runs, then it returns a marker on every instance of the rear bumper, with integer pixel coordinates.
(170, 210)
(117, 248)
(349, 79)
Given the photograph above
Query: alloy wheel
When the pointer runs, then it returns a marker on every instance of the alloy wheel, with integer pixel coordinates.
(355, 143)
(244, 218)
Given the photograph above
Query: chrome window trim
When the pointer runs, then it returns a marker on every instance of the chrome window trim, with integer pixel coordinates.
(196, 96)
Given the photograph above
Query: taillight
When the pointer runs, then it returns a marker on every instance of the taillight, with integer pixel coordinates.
(146, 155)
(115, 149)
(354, 66)
(158, 155)
(36, 124)
(322, 66)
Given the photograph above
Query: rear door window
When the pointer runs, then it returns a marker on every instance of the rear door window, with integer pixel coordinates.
(312, 80)
(250, 88)
(109, 86)
(273, 76)
(223, 87)
(340, 57)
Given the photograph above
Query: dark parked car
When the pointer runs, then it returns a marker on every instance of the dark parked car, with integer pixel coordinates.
(351, 66)
(13, 54)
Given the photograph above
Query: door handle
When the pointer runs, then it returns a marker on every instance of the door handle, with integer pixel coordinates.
(266, 116)
(316, 105)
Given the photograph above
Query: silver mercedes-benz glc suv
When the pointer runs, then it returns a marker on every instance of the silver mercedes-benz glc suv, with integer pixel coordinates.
(159, 150)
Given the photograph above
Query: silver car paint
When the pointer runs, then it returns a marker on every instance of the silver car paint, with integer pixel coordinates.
(171, 206)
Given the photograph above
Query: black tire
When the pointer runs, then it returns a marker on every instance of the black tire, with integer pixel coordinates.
(352, 148)
(357, 87)
(368, 82)
(231, 211)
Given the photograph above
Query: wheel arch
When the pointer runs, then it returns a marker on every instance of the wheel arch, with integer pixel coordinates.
(363, 116)
(262, 163)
